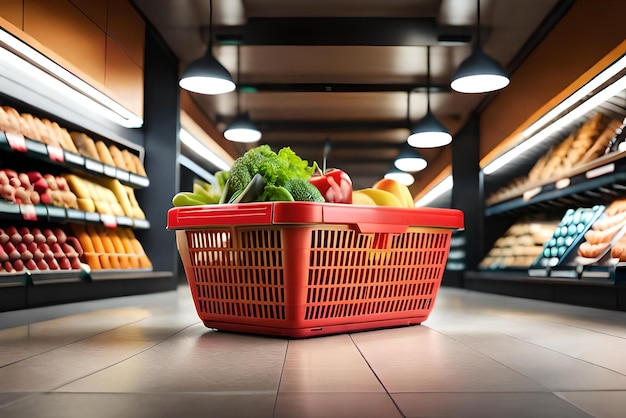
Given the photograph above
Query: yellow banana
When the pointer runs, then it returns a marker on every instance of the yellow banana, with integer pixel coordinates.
(359, 198)
(381, 197)
(398, 189)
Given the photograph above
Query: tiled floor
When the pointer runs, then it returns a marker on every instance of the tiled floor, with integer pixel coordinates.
(478, 355)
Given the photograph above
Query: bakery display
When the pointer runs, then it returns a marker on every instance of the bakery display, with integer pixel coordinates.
(601, 238)
(520, 245)
(582, 146)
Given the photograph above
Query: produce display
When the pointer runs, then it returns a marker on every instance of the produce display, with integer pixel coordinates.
(262, 175)
(106, 249)
(34, 249)
(36, 188)
(104, 195)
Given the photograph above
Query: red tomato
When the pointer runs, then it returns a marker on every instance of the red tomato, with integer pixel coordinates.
(335, 185)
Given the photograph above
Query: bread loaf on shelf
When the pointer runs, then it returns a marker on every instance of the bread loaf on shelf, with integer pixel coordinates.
(603, 231)
(520, 245)
(85, 145)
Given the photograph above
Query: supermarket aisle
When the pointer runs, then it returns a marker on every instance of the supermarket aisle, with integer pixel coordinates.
(478, 355)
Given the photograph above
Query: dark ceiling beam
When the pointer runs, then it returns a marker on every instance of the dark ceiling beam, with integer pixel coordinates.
(342, 87)
(322, 126)
(345, 31)
(368, 146)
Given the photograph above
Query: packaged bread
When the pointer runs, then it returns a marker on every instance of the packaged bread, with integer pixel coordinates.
(10, 122)
(104, 153)
(85, 145)
(118, 157)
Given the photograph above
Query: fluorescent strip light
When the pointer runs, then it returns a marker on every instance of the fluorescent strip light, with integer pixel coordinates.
(17, 55)
(199, 148)
(558, 124)
(199, 171)
(443, 187)
(596, 82)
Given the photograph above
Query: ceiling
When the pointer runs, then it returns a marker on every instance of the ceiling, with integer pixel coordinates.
(342, 70)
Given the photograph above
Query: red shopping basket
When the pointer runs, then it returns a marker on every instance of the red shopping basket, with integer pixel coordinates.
(301, 269)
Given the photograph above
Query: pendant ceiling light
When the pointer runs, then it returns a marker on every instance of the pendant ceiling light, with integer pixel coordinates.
(479, 73)
(428, 132)
(401, 177)
(206, 75)
(242, 129)
(410, 160)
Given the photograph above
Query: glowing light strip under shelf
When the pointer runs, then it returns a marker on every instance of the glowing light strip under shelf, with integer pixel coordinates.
(19, 59)
(444, 186)
(199, 148)
(558, 124)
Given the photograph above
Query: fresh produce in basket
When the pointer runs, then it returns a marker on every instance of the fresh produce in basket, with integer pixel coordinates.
(334, 184)
(385, 192)
(260, 175)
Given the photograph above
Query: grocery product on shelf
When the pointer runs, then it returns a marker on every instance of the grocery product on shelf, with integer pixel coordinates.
(35, 188)
(605, 235)
(111, 249)
(582, 146)
(566, 237)
(24, 248)
(520, 245)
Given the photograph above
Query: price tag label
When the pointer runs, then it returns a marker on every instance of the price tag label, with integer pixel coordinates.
(109, 221)
(94, 166)
(110, 171)
(29, 213)
(56, 153)
(600, 171)
(562, 184)
(529, 194)
(74, 158)
(16, 141)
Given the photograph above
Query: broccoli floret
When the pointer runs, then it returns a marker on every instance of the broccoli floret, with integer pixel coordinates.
(276, 169)
(303, 191)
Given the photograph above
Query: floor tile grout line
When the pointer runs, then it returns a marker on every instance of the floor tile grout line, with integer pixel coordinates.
(280, 379)
(377, 377)
(125, 359)
(73, 342)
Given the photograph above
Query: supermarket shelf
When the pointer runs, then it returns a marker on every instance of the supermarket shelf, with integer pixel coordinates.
(63, 158)
(28, 290)
(592, 293)
(12, 211)
(593, 183)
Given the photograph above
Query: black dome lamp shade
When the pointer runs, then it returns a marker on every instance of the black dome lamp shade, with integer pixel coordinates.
(429, 132)
(241, 129)
(206, 75)
(479, 73)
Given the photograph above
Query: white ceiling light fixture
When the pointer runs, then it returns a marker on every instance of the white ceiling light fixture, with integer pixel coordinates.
(410, 160)
(479, 73)
(206, 75)
(241, 129)
(428, 132)
(22, 65)
(558, 124)
(202, 150)
(443, 187)
(401, 177)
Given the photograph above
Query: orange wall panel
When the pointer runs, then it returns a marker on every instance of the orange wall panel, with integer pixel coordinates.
(12, 11)
(124, 78)
(60, 26)
(588, 32)
(127, 28)
(95, 10)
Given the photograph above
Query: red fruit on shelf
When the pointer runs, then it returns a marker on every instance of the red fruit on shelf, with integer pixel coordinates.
(3, 255)
(32, 247)
(53, 265)
(52, 182)
(4, 179)
(60, 234)
(14, 235)
(31, 265)
(74, 242)
(75, 262)
(34, 176)
(4, 237)
(45, 199)
(40, 238)
(10, 249)
(28, 238)
(40, 185)
(18, 265)
(24, 180)
(42, 265)
(26, 255)
(21, 247)
(50, 237)
(37, 255)
(8, 267)
(15, 182)
(62, 183)
(64, 263)
(69, 250)
(34, 197)
(335, 185)
(56, 250)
